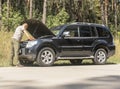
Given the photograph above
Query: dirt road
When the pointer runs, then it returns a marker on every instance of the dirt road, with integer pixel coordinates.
(61, 77)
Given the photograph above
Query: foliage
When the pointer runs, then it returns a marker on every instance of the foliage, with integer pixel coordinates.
(60, 12)
(14, 18)
(58, 19)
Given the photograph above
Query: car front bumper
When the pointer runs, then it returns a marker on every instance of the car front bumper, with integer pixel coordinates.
(25, 53)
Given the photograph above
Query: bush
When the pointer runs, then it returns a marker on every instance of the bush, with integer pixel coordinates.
(59, 19)
(14, 18)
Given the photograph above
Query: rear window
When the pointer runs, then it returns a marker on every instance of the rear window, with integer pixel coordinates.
(93, 31)
(87, 31)
(102, 32)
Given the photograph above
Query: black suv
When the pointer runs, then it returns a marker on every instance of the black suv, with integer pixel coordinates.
(75, 42)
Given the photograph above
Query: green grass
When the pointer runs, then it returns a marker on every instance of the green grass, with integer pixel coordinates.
(116, 57)
(5, 45)
(5, 39)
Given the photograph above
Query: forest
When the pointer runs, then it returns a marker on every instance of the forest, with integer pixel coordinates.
(56, 12)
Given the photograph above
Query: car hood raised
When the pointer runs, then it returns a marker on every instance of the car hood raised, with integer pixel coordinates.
(37, 28)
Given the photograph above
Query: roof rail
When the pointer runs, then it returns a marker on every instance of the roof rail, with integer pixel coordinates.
(87, 23)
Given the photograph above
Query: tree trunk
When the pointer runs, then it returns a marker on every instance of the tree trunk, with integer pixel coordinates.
(115, 20)
(115, 7)
(44, 11)
(112, 5)
(8, 13)
(0, 7)
(102, 11)
(0, 14)
(27, 4)
(31, 7)
(106, 12)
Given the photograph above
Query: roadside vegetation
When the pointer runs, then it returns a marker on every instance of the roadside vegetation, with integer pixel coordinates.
(5, 47)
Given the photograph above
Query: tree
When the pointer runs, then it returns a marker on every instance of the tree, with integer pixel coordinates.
(0, 8)
(0, 14)
(8, 13)
(102, 11)
(115, 6)
(44, 11)
(96, 11)
(106, 12)
(31, 7)
(59, 19)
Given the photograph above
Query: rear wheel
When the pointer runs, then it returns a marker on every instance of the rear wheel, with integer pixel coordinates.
(76, 61)
(100, 56)
(46, 57)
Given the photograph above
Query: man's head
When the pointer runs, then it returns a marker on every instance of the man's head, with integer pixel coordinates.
(25, 25)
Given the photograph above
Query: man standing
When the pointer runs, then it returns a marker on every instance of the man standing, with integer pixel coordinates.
(16, 39)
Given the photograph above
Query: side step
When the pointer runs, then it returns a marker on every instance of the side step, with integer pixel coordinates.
(91, 57)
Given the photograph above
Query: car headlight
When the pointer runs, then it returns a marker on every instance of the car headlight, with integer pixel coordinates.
(31, 44)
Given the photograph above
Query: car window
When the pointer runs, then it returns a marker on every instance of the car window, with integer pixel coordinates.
(93, 31)
(56, 30)
(71, 31)
(85, 31)
(102, 32)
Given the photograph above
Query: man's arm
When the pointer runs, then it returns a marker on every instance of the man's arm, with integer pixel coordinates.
(30, 37)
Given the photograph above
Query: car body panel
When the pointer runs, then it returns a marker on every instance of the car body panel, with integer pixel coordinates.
(37, 29)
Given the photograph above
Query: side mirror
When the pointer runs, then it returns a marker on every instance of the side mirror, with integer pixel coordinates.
(66, 34)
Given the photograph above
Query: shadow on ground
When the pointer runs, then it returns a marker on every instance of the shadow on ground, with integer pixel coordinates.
(83, 64)
(67, 63)
(105, 82)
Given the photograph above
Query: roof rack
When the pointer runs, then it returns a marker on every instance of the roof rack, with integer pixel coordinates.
(87, 23)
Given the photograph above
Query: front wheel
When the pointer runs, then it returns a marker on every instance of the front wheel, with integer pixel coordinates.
(100, 56)
(46, 57)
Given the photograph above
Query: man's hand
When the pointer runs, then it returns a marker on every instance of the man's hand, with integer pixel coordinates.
(29, 36)
(31, 39)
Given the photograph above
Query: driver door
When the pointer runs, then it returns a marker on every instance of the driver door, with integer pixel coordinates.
(70, 43)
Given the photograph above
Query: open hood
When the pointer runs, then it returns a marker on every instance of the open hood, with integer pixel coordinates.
(37, 28)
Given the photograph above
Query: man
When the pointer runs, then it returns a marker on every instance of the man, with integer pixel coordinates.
(16, 39)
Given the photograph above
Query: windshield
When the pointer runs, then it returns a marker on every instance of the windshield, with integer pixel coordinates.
(56, 30)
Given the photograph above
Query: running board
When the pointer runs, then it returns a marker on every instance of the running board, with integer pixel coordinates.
(91, 57)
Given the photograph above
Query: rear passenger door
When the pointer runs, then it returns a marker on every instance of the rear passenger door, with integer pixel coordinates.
(88, 35)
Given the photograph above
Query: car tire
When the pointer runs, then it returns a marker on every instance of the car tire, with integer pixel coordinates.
(76, 61)
(100, 56)
(46, 57)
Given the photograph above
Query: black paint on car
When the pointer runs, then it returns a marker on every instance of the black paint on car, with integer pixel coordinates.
(75, 42)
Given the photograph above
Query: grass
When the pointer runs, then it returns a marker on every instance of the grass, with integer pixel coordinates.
(5, 39)
(116, 57)
(5, 45)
